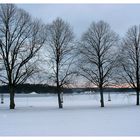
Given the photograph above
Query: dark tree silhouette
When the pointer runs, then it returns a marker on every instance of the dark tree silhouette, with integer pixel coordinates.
(61, 54)
(97, 50)
(21, 38)
(129, 60)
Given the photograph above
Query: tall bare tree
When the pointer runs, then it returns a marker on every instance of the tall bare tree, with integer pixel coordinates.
(97, 51)
(60, 41)
(129, 60)
(21, 38)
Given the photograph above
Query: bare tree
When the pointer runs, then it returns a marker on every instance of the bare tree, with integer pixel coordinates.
(61, 55)
(129, 60)
(97, 51)
(21, 38)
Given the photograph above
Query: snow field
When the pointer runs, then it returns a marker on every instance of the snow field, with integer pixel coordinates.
(38, 115)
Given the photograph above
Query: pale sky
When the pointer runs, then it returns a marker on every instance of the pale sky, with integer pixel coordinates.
(80, 16)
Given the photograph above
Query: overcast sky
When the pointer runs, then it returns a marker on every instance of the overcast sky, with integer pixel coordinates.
(80, 16)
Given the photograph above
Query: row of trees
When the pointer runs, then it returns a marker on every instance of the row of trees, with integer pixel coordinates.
(29, 48)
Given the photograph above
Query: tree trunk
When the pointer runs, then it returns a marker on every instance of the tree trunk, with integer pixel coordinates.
(137, 75)
(57, 83)
(12, 95)
(2, 98)
(109, 97)
(137, 91)
(59, 98)
(102, 97)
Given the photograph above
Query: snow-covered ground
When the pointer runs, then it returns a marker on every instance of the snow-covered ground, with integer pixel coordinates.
(38, 115)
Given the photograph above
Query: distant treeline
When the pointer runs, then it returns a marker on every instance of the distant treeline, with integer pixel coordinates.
(43, 88)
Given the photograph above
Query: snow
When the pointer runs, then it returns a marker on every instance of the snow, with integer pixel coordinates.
(38, 115)
(33, 93)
